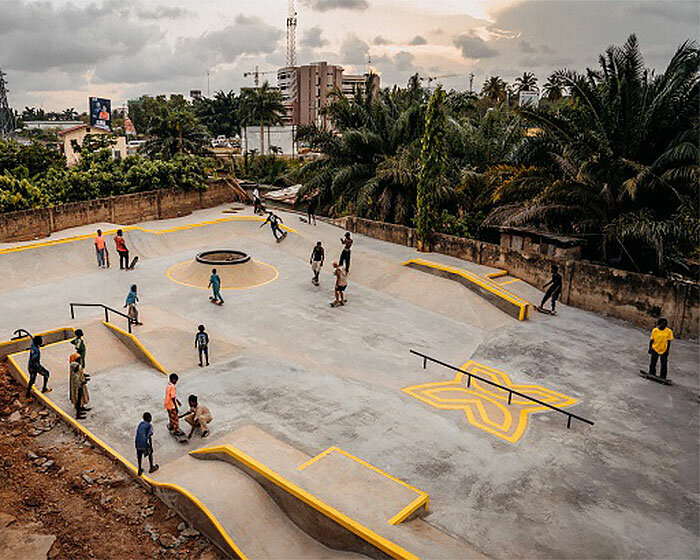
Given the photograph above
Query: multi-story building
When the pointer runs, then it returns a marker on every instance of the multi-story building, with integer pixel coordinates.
(306, 90)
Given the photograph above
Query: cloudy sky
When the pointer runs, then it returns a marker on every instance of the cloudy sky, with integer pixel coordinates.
(57, 53)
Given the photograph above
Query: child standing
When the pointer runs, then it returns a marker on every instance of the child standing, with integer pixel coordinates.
(144, 443)
(77, 385)
(341, 283)
(171, 404)
(122, 250)
(100, 249)
(35, 368)
(318, 255)
(79, 344)
(215, 285)
(659, 347)
(201, 343)
(345, 253)
(554, 290)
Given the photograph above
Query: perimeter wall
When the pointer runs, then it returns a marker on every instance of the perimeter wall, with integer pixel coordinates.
(124, 209)
(637, 298)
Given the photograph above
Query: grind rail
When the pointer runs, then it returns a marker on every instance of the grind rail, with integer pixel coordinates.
(510, 391)
(107, 310)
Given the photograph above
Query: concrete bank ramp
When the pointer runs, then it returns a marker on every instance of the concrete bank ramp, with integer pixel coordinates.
(339, 499)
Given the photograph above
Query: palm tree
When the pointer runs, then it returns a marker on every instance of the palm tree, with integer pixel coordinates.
(624, 157)
(526, 82)
(262, 105)
(173, 128)
(553, 89)
(494, 88)
(219, 114)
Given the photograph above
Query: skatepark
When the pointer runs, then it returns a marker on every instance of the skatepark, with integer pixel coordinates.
(329, 437)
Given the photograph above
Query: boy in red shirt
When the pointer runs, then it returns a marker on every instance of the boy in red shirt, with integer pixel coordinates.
(122, 250)
(171, 404)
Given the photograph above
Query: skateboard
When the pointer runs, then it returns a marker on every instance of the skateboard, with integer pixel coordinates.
(338, 303)
(656, 378)
(301, 218)
(545, 311)
(284, 236)
(211, 299)
(134, 262)
(107, 257)
(179, 439)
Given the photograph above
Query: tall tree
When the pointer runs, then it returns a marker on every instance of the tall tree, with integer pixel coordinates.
(261, 106)
(494, 88)
(219, 114)
(172, 128)
(526, 82)
(553, 89)
(432, 167)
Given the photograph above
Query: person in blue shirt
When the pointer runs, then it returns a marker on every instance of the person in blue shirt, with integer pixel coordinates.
(35, 368)
(144, 443)
(215, 285)
(132, 299)
(201, 343)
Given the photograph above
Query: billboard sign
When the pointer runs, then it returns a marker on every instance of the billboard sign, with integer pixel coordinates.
(101, 113)
(528, 99)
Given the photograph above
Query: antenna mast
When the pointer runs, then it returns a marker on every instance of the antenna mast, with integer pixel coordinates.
(292, 35)
(7, 117)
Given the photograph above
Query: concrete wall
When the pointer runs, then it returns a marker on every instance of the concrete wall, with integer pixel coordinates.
(125, 209)
(637, 298)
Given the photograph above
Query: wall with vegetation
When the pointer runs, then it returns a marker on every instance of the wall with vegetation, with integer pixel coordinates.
(123, 210)
(637, 298)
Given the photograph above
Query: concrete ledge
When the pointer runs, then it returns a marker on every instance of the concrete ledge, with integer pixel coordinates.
(135, 346)
(489, 290)
(178, 498)
(323, 522)
(416, 508)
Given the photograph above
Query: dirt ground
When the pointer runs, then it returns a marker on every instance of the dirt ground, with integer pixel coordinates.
(62, 498)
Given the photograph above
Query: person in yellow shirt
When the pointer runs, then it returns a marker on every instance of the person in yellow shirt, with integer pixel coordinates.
(659, 347)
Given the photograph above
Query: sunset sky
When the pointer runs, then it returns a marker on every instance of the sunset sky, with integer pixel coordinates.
(57, 53)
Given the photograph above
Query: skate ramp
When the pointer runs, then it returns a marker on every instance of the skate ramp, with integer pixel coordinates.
(233, 277)
(169, 339)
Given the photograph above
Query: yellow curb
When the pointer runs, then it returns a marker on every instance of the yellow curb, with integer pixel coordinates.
(150, 357)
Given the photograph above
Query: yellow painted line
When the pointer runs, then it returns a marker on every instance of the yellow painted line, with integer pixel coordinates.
(129, 466)
(509, 282)
(497, 274)
(170, 276)
(421, 500)
(150, 357)
(137, 228)
(483, 282)
(385, 545)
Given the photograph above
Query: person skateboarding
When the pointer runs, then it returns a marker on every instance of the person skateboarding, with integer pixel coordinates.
(144, 443)
(198, 416)
(79, 344)
(341, 283)
(132, 299)
(35, 368)
(318, 255)
(345, 253)
(171, 404)
(100, 249)
(215, 285)
(201, 343)
(659, 348)
(554, 290)
(122, 250)
(274, 220)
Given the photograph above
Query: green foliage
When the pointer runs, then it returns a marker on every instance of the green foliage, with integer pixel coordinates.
(220, 114)
(261, 106)
(35, 157)
(432, 168)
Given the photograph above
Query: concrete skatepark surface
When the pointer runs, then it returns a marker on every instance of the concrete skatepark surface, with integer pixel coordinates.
(315, 377)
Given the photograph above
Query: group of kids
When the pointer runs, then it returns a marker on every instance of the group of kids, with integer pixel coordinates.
(198, 416)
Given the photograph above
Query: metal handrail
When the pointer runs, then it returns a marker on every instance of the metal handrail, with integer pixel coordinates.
(129, 320)
(21, 333)
(511, 392)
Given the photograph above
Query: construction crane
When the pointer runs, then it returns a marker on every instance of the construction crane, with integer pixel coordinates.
(256, 75)
(291, 35)
(431, 79)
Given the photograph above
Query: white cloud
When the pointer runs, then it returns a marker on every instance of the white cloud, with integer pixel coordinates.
(473, 46)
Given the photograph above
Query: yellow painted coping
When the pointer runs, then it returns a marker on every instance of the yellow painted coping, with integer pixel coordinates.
(480, 281)
(138, 228)
(385, 545)
(496, 274)
(127, 464)
(150, 357)
(421, 500)
(44, 333)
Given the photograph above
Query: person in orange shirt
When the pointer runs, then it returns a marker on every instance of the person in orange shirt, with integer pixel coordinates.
(659, 347)
(122, 250)
(171, 404)
(100, 249)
